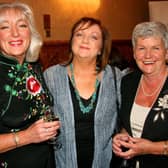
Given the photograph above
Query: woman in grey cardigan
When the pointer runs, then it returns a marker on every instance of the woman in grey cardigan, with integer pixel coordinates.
(85, 98)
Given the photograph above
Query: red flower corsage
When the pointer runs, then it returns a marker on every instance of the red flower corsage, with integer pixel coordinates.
(33, 85)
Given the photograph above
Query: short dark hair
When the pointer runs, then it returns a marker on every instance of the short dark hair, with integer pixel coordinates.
(102, 59)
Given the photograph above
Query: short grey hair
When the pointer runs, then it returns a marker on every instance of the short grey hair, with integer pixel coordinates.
(150, 29)
(32, 53)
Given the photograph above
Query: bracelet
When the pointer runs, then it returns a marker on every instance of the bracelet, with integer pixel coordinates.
(16, 139)
(165, 148)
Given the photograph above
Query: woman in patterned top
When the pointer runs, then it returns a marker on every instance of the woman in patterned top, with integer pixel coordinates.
(24, 97)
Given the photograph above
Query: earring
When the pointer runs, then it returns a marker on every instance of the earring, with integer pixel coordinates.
(99, 53)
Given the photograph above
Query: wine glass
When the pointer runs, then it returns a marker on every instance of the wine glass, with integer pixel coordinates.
(49, 116)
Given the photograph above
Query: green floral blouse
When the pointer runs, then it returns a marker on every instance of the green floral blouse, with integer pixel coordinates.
(24, 97)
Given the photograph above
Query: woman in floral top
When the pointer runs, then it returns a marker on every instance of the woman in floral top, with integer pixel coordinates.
(24, 97)
(144, 108)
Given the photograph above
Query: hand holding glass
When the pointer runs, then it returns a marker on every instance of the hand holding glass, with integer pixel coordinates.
(48, 117)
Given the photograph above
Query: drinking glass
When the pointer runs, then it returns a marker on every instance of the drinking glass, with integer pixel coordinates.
(48, 117)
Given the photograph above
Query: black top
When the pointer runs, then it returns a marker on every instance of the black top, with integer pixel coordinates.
(84, 130)
(156, 123)
(23, 98)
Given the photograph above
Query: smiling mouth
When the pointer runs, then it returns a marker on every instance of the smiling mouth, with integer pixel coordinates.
(148, 62)
(85, 48)
(15, 43)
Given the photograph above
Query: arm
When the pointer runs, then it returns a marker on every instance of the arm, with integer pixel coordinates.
(117, 141)
(141, 146)
(38, 132)
(137, 146)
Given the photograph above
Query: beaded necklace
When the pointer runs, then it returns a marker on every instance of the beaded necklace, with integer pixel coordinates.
(156, 90)
(88, 108)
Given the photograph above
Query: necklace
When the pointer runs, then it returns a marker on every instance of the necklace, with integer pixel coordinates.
(88, 108)
(155, 91)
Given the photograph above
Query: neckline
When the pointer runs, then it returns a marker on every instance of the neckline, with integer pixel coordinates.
(156, 97)
(141, 106)
(84, 109)
(158, 89)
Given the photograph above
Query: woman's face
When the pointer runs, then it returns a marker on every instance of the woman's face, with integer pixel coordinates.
(87, 42)
(14, 34)
(150, 54)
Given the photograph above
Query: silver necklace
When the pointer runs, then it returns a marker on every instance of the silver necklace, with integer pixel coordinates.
(155, 91)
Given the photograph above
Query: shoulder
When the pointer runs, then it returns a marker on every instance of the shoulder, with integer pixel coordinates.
(110, 70)
(132, 75)
(55, 76)
(55, 73)
(54, 69)
(131, 79)
(36, 65)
